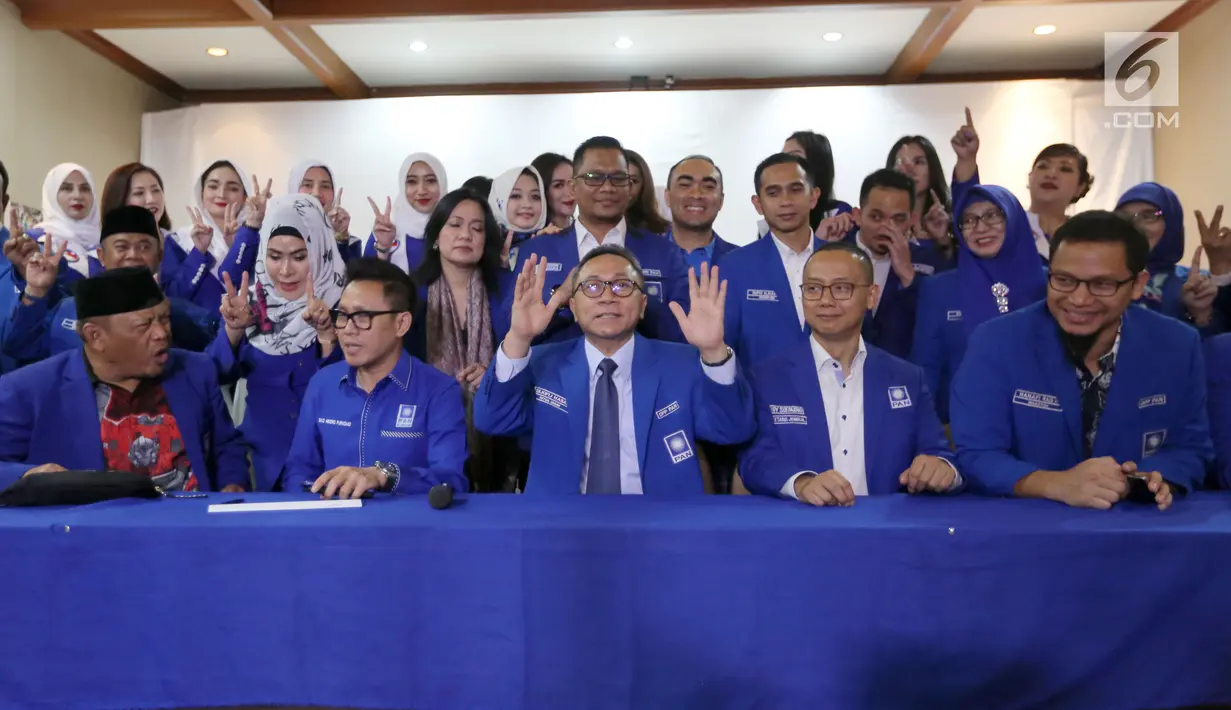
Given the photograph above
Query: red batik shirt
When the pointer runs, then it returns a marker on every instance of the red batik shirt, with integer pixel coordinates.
(139, 434)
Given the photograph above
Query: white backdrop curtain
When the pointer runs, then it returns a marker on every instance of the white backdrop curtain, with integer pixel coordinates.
(365, 141)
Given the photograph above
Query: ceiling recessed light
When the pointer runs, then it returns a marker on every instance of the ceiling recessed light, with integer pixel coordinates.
(418, 46)
(831, 36)
(623, 43)
(217, 52)
(1042, 30)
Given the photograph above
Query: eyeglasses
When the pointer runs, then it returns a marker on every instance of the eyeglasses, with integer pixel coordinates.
(841, 291)
(1143, 217)
(620, 288)
(1097, 287)
(361, 319)
(993, 219)
(597, 179)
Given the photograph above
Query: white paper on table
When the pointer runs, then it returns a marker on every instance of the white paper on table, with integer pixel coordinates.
(287, 505)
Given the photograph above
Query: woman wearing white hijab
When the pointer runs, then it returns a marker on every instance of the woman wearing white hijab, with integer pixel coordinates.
(517, 201)
(279, 334)
(397, 236)
(70, 214)
(314, 177)
(223, 227)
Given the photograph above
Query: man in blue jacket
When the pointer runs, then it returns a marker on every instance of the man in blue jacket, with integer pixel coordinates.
(886, 206)
(124, 401)
(764, 309)
(383, 420)
(838, 418)
(601, 183)
(1034, 412)
(40, 325)
(613, 412)
(695, 195)
(1218, 365)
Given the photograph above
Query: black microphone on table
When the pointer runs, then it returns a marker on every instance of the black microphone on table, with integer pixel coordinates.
(440, 496)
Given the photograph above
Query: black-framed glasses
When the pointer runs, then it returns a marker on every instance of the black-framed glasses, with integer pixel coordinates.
(1097, 287)
(970, 222)
(1143, 216)
(841, 290)
(361, 319)
(597, 179)
(620, 288)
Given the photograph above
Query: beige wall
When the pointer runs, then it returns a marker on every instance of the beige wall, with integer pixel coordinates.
(1195, 159)
(61, 102)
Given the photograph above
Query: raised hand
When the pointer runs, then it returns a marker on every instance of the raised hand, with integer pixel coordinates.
(257, 201)
(43, 267)
(236, 310)
(317, 314)
(936, 221)
(703, 326)
(899, 257)
(833, 229)
(1198, 293)
(202, 234)
(966, 141)
(13, 222)
(18, 248)
(470, 376)
(382, 228)
(530, 315)
(1216, 239)
(506, 248)
(230, 223)
(549, 229)
(339, 218)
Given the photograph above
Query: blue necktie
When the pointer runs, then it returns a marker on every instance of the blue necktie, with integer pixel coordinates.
(604, 473)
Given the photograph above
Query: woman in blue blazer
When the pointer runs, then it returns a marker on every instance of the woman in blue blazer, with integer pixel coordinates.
(997, 272)
(1156, 211)
(298, 276)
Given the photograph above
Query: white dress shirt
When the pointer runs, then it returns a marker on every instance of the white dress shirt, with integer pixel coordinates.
(588, 242)
(1040, 237)
(880, 269)
(843, 399)
(630, 465)
(794, 262)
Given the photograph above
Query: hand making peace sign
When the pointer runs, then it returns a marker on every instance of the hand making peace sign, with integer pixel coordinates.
(339, 218)
(202, 234)
(256, 203)
(383, 229)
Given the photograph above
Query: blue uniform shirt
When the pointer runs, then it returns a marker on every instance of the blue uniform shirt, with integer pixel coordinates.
(413, 418)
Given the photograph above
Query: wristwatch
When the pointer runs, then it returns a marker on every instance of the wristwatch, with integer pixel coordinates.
(730, 354)
(393, 475)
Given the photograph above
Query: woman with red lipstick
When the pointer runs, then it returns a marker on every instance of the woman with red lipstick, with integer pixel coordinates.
(916, 157)
(1060, 177)
(397, 236)
(221, 239)
(557, 173)
(516, 199)
(313, 177)
(278, 332)
(458, 321)
(70, 214)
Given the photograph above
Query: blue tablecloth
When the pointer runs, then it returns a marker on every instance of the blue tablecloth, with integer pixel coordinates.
(622, 603)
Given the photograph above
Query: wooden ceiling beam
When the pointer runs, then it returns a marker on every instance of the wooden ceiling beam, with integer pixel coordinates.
(587, 87)
(128, 63)
(312, 51)
(937, 28)
(128, 14)
(1182, 15)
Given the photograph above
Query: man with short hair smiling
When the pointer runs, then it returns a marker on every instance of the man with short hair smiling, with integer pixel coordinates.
(41, 325)
(1034, 412)
(383, 420)
(126, 401)
(601, 181)
(839, 418)
(695, 195)
(613, 412)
